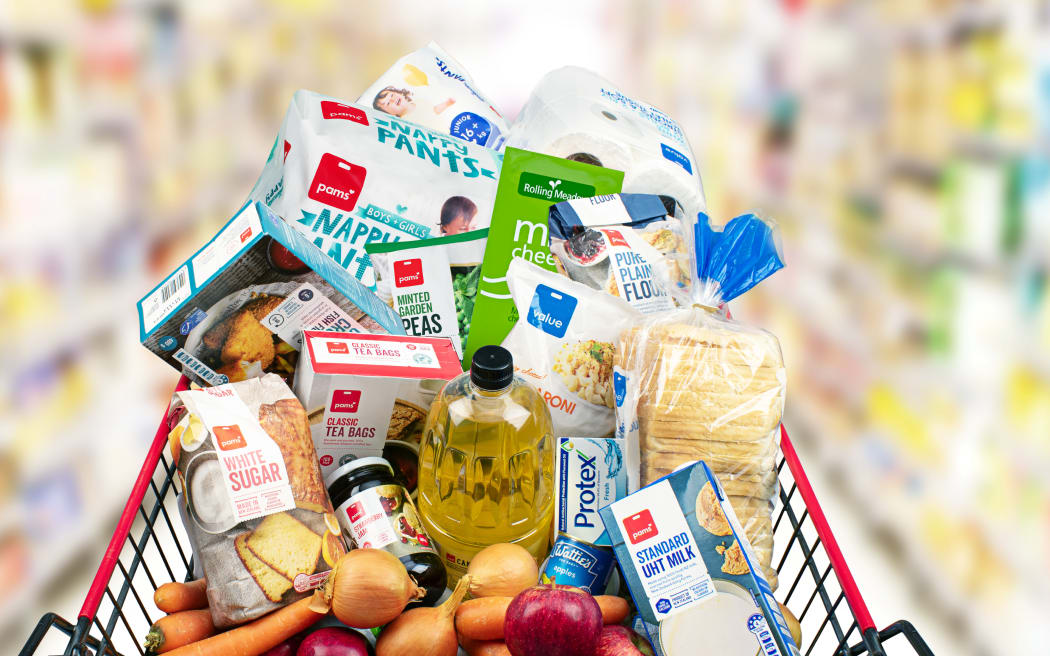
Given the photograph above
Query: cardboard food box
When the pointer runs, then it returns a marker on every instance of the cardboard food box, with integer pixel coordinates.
(691, 571)
(359, 390)
(237, 308)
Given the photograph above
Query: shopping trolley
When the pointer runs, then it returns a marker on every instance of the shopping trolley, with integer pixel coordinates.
(150, 548)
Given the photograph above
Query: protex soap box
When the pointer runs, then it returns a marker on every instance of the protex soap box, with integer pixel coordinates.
(237, 308)
(590, 474)
(358, 389)
(691, 570)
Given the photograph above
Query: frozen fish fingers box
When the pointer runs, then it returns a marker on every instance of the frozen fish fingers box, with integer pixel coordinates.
(691, 570)
(237, 308)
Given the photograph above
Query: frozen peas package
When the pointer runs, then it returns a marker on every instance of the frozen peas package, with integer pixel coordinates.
(346, 176)
(432, 283)
(432, 89)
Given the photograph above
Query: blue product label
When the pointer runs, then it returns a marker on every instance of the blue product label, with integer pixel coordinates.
(198, 315)
(676, 157)
(168, 343)
(551, 311)
(468, 126)
(619, 388)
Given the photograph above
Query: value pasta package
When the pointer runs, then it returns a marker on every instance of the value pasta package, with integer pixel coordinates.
(346, 176)
(693, 384)
(431, 88)
(564, 343)
(629, 245)
(259, 516)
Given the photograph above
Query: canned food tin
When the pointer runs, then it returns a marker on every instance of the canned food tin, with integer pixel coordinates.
(578, 563)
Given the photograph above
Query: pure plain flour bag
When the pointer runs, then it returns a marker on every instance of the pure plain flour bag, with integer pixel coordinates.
(346, 176)
(431, 88)
(564, 343)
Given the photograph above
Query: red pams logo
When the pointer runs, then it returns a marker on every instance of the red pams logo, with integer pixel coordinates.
(339, 348)
(355, 511)
(229, 437)
(408, 273)
(332, 109)
(246, 234)
(615, 238)
(345, 400)
(337, 182)
(640, 527)
(287, 149)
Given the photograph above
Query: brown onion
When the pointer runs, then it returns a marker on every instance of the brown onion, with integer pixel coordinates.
(502, 570)
(425, 631)
(367, 588)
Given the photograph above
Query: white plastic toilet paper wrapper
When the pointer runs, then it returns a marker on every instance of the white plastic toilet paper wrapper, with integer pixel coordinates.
(431, 88)
(577, 114)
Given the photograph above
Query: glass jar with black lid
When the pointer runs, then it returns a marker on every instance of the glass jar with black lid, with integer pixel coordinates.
(375, 510)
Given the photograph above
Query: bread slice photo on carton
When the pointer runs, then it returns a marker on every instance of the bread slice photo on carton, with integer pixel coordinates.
(286, 545)
(272, 584)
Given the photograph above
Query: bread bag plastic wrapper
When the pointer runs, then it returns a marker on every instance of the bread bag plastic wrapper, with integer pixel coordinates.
(564, 344)
(628, 245)
(258, 515)
(345, 175)
(576, 114)
(432, 283)
(693, 384)
(431, 88)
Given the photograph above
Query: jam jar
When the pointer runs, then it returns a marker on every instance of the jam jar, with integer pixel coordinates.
(375, 510)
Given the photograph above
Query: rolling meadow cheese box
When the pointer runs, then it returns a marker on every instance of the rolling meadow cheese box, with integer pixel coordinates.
(359, 390)
(237, 308)
(691, 571)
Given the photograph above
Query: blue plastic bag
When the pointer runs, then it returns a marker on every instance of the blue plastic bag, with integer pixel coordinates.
(731, 261)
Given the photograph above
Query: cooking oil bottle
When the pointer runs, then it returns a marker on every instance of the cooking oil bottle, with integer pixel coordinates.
(486, 464)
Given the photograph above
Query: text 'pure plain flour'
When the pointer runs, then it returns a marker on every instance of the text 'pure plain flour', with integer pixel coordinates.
(347, 176)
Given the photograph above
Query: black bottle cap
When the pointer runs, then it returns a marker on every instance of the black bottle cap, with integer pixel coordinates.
(492, 368)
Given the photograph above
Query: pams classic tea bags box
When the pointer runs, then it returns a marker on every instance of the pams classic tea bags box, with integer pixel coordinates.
(359, 388)
(691, 571)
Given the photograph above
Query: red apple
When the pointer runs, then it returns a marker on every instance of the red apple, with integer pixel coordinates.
(617, 640)
(549, 620)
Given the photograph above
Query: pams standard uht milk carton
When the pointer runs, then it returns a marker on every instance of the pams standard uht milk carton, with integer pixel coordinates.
(356, 388)
(691, 571)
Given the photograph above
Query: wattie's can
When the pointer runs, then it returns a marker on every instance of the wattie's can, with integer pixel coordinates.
(578, 563)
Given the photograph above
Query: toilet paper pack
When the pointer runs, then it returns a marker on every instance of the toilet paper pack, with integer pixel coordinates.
(576, 114)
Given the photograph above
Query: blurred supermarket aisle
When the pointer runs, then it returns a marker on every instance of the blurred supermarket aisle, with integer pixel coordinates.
(904, 147)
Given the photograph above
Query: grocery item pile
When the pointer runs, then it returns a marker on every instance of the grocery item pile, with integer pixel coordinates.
(465, 385)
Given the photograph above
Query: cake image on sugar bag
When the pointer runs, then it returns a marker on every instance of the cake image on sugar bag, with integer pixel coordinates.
(271, 582)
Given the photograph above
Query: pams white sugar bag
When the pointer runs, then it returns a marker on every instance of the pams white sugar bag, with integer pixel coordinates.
(346, 176)
(576, 114)
(564, 344)
(431, 88)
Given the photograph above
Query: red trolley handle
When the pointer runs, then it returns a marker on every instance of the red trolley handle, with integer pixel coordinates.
(127, 517)
(820, 522)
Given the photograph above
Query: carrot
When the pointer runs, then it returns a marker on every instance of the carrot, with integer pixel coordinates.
(256, 637)
(178, 629)
(482, 618)
(484, 647)
(614, 609)
(173, 597)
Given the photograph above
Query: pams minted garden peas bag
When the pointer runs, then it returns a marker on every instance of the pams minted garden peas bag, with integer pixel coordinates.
(346, 176)
(432, 283)
(564, 345)
(628, 245)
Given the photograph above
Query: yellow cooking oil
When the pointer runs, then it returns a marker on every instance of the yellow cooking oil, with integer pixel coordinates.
(486, 464)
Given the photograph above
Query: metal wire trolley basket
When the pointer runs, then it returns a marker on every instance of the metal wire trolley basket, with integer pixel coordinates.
(149, 548)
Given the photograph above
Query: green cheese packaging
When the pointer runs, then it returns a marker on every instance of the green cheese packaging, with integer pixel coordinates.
(529, 184)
